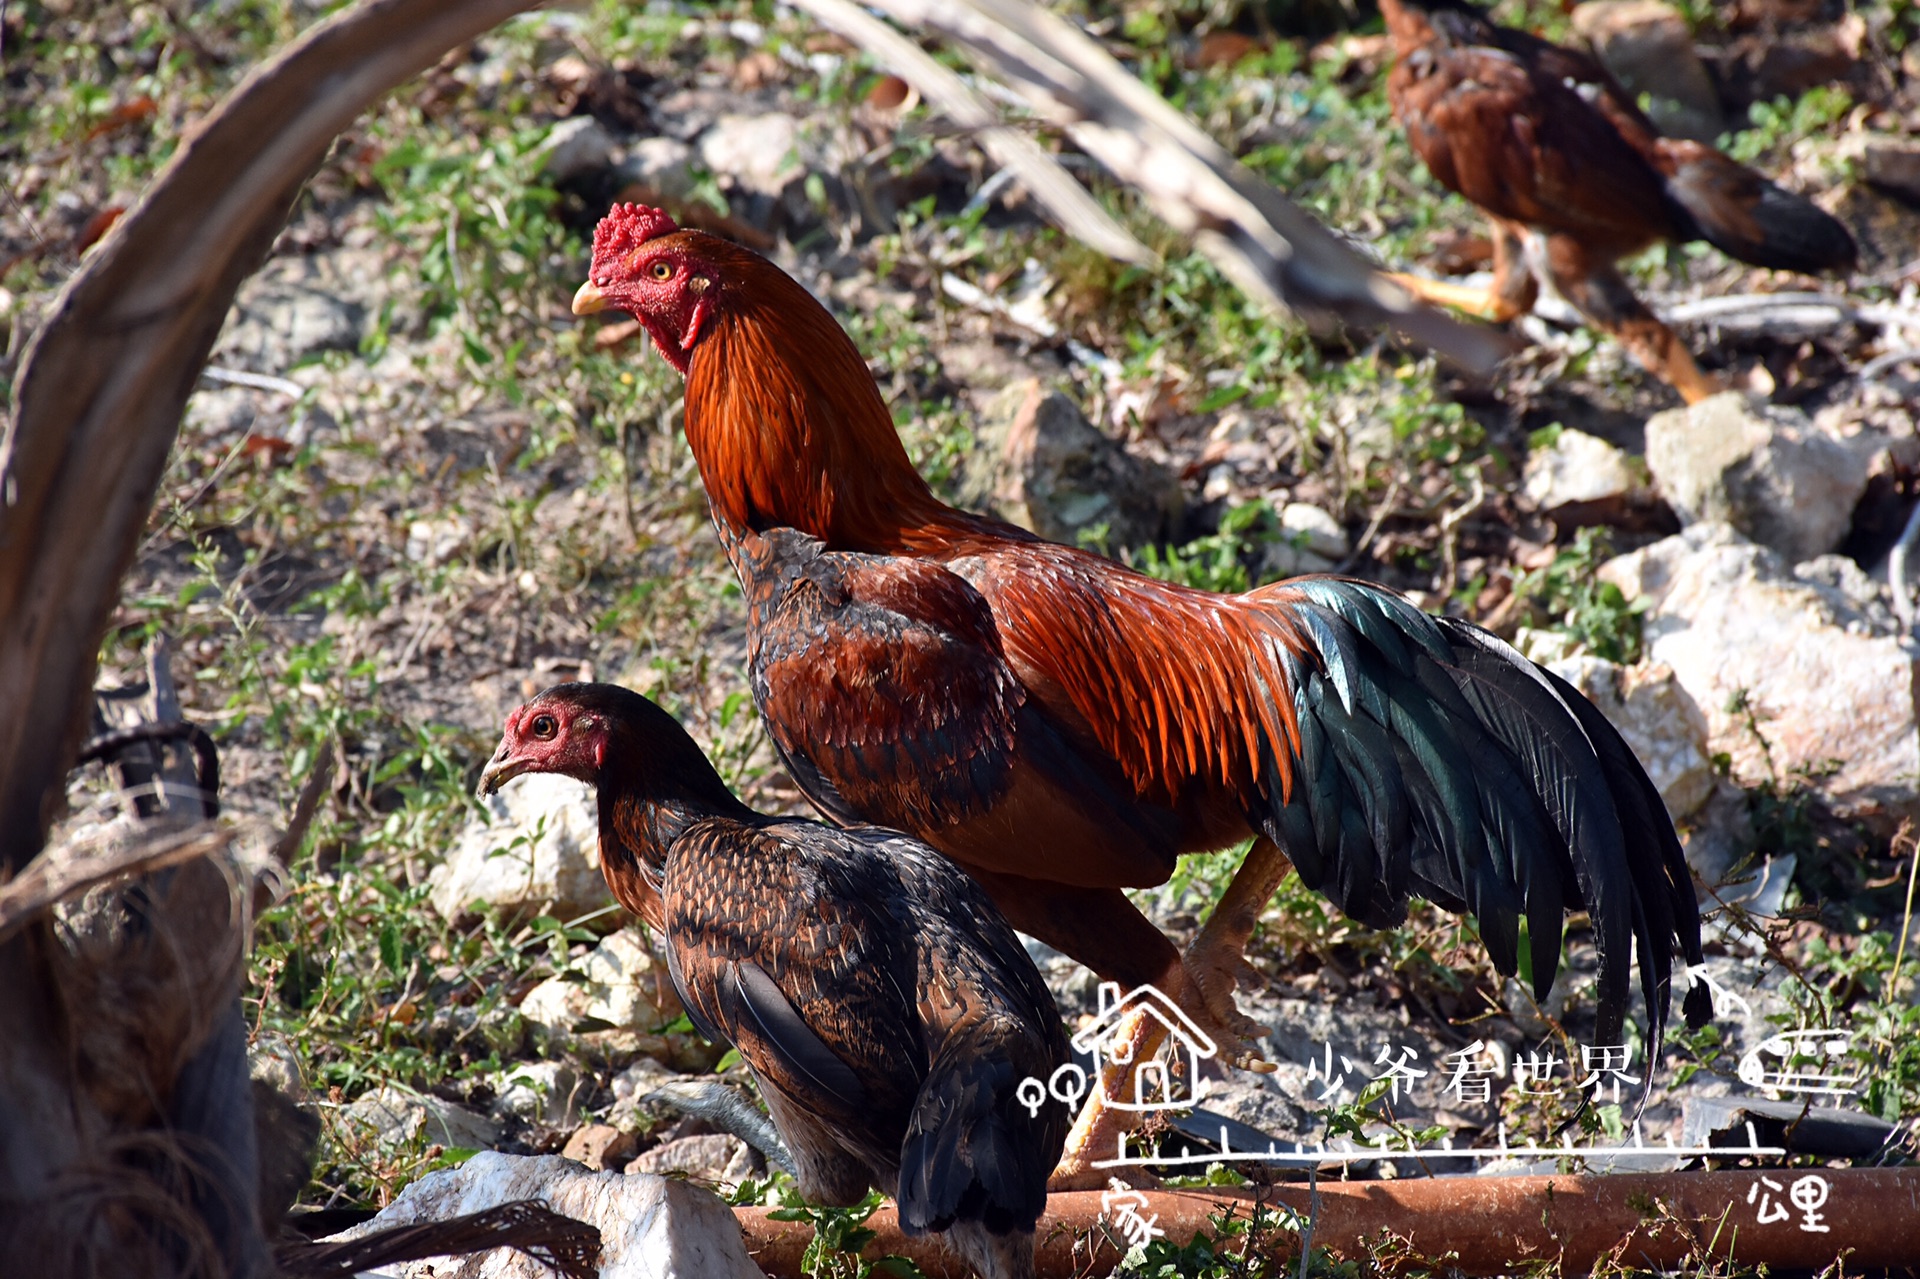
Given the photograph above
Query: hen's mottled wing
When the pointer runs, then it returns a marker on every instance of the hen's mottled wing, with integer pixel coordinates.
(804, 973)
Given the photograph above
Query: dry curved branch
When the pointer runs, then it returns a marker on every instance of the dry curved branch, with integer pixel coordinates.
(105, 381)
(1257, 237)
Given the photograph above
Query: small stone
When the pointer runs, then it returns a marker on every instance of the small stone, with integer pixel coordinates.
(1313, 530)
(664, 166)
(715, 1158)
(537, 853)
(542, 1091)
(650, 1227)
(600, 1147)
(575, 148)
(761, 153)
(434, 542)
(396, 1117)
(1768, 471)
(1893, 164)
(1577, 469)
(1647, 46)
(616, 1002)
(1043, 466)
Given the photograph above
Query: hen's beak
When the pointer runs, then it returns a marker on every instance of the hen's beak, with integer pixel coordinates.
(590, 300)
(500, 770)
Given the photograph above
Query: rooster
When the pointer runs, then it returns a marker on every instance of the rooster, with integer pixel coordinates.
(1574, 177)
(1066, 728)
(887, 1011)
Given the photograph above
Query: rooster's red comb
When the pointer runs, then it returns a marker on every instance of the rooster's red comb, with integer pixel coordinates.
(625, 228)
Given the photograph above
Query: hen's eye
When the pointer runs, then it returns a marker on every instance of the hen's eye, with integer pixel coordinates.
(662, 270)
(544, 726)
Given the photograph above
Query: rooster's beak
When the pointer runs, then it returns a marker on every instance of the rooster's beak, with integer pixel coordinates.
(500, 770)
(590, 300)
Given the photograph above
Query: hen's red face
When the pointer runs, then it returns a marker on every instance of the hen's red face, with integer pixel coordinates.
(547, 736)
(644, 264)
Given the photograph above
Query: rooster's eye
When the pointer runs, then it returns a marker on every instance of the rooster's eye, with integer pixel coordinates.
(543, 726)
(663, 270)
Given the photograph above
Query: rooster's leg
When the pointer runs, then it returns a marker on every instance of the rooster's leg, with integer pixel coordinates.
(1213, 965)
(1603, 296)
(1216, 960)
(1100, 1131)
(1509, 295)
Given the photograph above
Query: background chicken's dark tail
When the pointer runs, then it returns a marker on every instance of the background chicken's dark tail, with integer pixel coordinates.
(1744, 215)
(1434, 759)
(975, 1163)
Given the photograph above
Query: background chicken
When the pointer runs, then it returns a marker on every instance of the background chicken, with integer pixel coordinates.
(1065, 727)
(886, 1009)
(1574, 177)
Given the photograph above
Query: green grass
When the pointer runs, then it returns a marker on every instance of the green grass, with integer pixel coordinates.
(305, 631)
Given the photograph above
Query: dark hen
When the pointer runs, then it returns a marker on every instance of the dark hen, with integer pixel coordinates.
(1574, 177)
(885, 1007)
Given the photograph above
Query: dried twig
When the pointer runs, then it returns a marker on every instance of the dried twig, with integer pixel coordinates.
(570, 1246)
(1257, 238)
(1078, 213)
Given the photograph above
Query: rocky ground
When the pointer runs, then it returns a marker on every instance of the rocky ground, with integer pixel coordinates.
(412, 490)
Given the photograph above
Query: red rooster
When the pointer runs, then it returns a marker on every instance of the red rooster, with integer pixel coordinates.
(1066, 728)
(1574, 177)
(888, 1012)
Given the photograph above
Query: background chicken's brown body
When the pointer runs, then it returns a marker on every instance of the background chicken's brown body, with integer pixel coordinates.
(1546, 143)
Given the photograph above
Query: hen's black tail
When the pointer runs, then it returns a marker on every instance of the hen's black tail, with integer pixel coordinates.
(1744, 215)
(973, 1154)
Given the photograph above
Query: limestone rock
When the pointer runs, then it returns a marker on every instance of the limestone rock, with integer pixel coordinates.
(1768, 471)
(1659, 720)
(575, 148)
(714, 1158)
(1647, 46)
(650, 1227)
(616, 1004)
(393, 1116)
(298, 307)
(761, 154)
(539, 853)
(1042, 465)
(1578, 469)
(664, 166)
(600, 1147)
(540, 1091)
(1809, 656)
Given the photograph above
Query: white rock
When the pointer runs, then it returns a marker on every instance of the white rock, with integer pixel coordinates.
(538, 854)
(574, 148)
(714, 1158)
(662, 165)
(622, 995)
(1576, 468)
(1768, 471)
(395, 1117)
(1829, 690)
(761, 153)
(1658, 719)
(433, 542)
(650, 1227)
(545, 1091)
(1314, 530)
